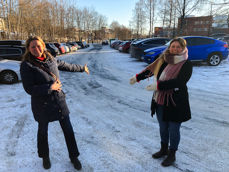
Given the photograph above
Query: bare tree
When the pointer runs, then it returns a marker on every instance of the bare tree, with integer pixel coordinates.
(53, 20)
(167, 12)
(139, 18)
(184, 8)
(150, 11)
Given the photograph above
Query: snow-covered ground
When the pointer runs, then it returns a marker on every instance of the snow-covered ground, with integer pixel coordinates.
(112, 122)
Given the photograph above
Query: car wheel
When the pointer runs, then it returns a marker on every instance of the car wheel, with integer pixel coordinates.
(8, 77)
(214, 59)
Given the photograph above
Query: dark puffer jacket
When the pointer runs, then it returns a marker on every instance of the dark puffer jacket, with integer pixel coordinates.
(181, 112)
(47, 105)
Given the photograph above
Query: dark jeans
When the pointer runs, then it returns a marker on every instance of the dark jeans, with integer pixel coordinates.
(42, 138)
(169, 131)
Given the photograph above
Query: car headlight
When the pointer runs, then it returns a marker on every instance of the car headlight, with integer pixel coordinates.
(151, 52)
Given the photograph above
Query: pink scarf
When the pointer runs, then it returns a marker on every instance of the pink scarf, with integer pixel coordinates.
(175, 62)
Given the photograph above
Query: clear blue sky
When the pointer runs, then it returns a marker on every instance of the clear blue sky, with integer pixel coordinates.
(118, 10)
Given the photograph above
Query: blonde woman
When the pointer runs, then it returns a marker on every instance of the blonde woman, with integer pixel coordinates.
(171, 72)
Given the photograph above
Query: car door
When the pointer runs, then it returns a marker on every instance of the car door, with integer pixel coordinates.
(11, 53)
(197, 48)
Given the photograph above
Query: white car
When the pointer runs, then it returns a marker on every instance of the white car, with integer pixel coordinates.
(9, 71)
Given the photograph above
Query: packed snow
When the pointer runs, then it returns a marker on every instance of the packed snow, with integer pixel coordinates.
(112, 123)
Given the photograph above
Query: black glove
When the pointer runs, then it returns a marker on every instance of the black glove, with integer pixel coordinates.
(152, 113)
(153, 107)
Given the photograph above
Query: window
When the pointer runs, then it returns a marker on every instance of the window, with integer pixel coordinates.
(13, 51)
(2, 51)
(199, 41)
(10, 51)
(156, 41)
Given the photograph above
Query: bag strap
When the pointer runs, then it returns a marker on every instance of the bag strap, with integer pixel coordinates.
(46, 70)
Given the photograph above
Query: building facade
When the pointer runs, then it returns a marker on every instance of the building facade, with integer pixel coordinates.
(199, 26)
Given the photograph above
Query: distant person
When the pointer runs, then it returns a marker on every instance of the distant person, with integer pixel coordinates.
(171, 72)
(40, 78)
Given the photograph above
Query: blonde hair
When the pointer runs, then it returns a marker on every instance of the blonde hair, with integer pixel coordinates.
(28, 56)
(181, 41)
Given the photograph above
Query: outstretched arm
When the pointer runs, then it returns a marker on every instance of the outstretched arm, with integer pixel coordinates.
(62, 65)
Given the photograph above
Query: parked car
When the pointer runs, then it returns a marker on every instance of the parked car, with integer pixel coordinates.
(200, 48)
(60, 47)
(12, 42)
(115, 43)
(125, 47)
(118, 45)
(111, 41)
(80, 43)
(12, 49)
(12, 52)
(225, 39)
(218, 35)
(105, 42)
(138, 47)
(74, 46)
(85, 44)
(52, 49)
(9, 71)
(67, 48)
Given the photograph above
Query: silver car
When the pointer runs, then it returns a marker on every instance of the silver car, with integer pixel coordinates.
(9, 71)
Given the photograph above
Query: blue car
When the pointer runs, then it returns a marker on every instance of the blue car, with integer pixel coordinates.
(200, 48)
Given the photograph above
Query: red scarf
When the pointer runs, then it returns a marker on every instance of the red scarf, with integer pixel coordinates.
(41, 58)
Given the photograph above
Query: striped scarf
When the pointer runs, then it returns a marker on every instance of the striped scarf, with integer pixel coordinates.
(175, 62)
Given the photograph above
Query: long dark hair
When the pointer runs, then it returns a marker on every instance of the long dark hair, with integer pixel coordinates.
(28, 56)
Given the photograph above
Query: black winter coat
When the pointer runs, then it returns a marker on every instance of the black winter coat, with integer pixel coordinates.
(181, 112)
(47, 105)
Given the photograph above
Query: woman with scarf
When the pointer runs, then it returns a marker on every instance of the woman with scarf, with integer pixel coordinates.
(40, 79)
(171, 72)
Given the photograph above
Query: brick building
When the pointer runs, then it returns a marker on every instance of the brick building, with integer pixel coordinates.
(199, 26)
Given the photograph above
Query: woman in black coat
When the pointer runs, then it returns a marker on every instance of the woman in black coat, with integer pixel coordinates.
(40, 78)
(171, 72)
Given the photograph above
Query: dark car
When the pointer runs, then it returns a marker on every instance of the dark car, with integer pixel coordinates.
(12, 42)
(137, 48)
(12, 52)
(105, 42)
(52, 49)
(80, 43)
(200, 48)
(12, 49)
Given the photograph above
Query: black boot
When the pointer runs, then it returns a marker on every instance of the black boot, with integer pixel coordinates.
(163, 151)
(171, 158)
(46, 163)
(77, 165)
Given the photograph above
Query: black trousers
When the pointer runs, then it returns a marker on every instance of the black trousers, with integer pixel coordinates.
(42, 138)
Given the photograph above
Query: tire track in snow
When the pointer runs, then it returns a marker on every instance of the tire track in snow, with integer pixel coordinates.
(14, 136)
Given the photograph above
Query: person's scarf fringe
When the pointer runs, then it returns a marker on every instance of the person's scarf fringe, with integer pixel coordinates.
(175, 62)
